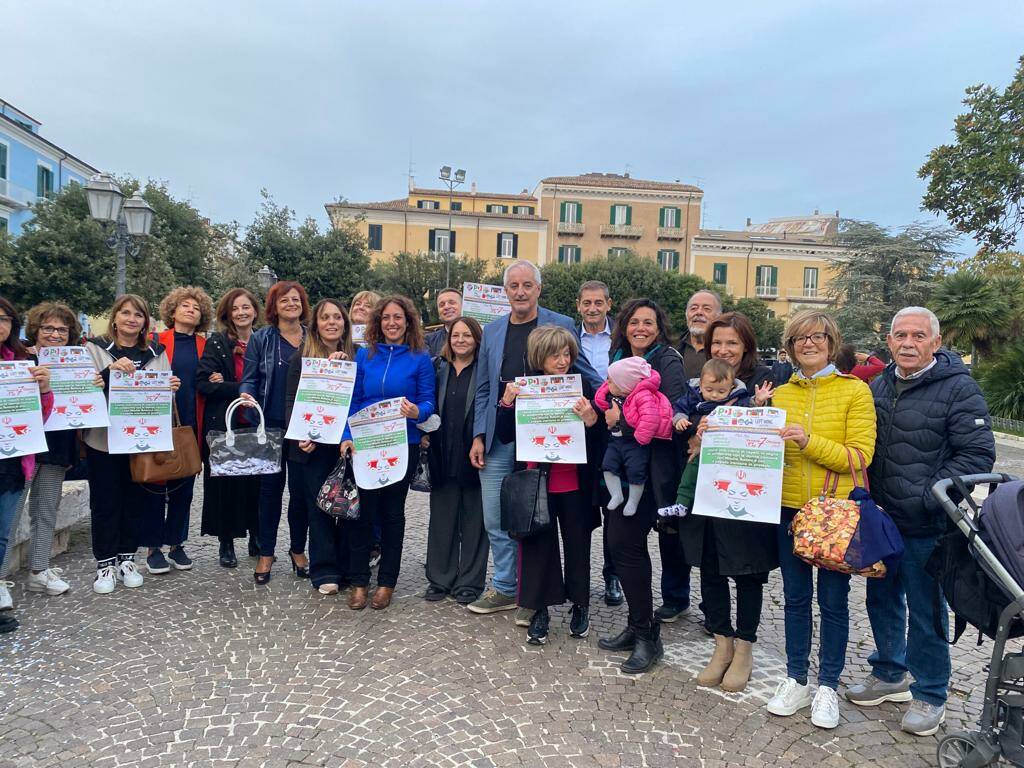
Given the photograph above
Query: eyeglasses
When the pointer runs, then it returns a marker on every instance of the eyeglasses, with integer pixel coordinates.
(53, 330)
(6, 319)
(814, 338)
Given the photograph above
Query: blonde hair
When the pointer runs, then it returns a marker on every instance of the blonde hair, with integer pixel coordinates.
(171, 301)
(547, 340)
(805, 322)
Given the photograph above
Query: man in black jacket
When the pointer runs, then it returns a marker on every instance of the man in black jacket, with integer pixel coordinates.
(932, 424)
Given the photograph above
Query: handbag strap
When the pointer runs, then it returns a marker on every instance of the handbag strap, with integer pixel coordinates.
(862, 462)
(831, 483)
(261, 430)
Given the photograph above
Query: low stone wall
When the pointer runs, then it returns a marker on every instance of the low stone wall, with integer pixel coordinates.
(74, 507)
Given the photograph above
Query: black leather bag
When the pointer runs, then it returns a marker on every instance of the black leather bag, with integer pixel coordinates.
(524, 503)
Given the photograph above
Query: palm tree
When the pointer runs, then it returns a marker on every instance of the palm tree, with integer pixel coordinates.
(972, 312)
(1003, 382)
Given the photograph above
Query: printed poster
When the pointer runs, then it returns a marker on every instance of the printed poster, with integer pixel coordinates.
(381, 444)
(484, 303)
(359, 334)
(322, 400)
(77, 402)
(547, 429)
(741, 458)
(21, 412)
(140, 412)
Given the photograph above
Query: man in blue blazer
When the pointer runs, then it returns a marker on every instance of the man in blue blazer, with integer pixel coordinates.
(503, 357)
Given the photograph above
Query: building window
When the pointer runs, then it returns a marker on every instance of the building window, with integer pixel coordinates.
(810, 282)
(376, 234)
(571, 212)
(456, 205)
(766, 280)
(442, 241)
(621, 215)
(3, 161)
(720, 274)
(669, 260)
(569, 254)
(495, 208)
(44, 181)
(669, 217)
(3, 225)
(508, 245)
(525, 210)
(429, 205)
(618, 251)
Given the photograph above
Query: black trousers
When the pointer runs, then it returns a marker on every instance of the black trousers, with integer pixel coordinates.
(386, 507)
(608, 570)
(716, 600)
(117, 505)
(329, 537)
(541, 581)
(627, 539)
(457, 543)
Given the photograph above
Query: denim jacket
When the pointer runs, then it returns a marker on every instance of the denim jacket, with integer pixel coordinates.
(260, 360)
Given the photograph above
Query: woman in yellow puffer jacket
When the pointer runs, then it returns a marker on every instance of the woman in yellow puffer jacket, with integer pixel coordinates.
(827, 414)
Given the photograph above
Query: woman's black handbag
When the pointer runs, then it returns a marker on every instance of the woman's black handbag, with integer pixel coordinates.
(524, 503)
(339, 496)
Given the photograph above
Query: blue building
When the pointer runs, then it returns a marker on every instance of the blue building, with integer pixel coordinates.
(30, 168)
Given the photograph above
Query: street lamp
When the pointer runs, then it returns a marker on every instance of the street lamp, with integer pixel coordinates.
(446, 177)
(132, 218)
(267, 278)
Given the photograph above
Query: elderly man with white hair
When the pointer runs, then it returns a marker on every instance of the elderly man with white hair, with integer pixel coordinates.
(502, 358)
(932, 424)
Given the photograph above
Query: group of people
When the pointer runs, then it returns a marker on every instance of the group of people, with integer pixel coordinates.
(644, 407)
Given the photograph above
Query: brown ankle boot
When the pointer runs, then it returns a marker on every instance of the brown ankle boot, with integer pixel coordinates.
(738, 674)
(382, 598)
(357, 598)
(712, 674)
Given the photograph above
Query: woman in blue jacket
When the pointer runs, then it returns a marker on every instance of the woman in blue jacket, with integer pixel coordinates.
(394, 363)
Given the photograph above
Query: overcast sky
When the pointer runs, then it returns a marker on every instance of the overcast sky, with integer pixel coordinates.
(773, 108)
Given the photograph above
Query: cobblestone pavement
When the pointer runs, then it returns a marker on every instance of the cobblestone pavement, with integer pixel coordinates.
(205, 669)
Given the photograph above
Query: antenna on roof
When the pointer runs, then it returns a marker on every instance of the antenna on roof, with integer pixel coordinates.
(626, 174)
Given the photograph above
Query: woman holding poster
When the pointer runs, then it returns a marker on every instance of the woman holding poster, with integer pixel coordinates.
(309, 463)
(116, 503)
(827, 414)
(394, 364)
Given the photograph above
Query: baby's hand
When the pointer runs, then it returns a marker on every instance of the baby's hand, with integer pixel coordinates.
(763, 393)
(682, 423)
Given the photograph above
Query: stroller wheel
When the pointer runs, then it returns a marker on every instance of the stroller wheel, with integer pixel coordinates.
(955, 748)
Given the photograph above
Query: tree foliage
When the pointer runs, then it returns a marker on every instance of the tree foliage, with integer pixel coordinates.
(767, 328)
(978, 181)
(1002, 381)
(972, 312)
(883, 272)
(420, 276)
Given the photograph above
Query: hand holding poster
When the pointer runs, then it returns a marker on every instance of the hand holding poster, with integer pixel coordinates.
(381, 444)
(322, 400)
(547, 428)
(741, 457)
(484, 303)
(140, 412)
(77, 401)
(21, 412)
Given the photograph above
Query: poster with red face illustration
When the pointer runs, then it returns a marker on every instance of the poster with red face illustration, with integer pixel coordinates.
(547, 429)
(381, 455)
(322, 400)
(77, 402)
(741, 459)
(21, 412)
(140, 412)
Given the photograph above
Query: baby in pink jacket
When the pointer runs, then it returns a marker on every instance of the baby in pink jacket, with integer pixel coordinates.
(636, 413)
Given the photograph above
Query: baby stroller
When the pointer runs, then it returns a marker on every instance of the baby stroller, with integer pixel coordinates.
(982, 577)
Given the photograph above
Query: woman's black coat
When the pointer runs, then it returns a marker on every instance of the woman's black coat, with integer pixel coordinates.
(466, 474)
(218, 357)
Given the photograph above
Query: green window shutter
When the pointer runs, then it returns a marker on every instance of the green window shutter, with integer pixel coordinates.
(611, 215)
(774, 276)
(757, 276)
(675, 261)
(561, 212)
(40, 189)
(629, 215)
(661, 217)
(561, 251)
(3, 162)
(430, 240)
(679, 217)
(579, 213)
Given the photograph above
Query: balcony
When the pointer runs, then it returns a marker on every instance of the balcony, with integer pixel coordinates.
(621, 230)
(12, 194)
(570, 227)
(766, 291)
(723, 288)
(670, 233)
(808, 294)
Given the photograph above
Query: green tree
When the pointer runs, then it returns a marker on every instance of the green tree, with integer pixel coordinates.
(881, 273)
(421, 275)
(1003, 382)
(972, 312)
(233, 266)
(978, 181)
(331, 264)
(767, 327)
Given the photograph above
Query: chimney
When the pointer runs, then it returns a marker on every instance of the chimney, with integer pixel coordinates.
(472, 188)
(748, 222)
(815, 211)
(626, 175)
(837, 213)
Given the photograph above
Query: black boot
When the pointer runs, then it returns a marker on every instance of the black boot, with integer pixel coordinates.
(227, 554)
(613, 591)
(647, 652)
(624, 641)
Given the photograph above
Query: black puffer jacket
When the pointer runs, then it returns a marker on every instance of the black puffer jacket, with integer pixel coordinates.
(937, 428)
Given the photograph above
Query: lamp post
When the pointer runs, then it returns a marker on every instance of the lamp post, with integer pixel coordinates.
(267, 277)
(132, 219)
(446, 177)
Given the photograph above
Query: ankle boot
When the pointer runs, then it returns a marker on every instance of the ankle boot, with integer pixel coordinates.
(624, 641)
(735, 679)
(715, 670)
(227, 554)
(646, 653)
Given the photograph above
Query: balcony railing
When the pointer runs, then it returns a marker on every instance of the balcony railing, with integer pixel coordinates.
(670, 233)
(723, 288)
(766, 291)
(808, 294)
(16, 195)
(621, 230)
(570, 227)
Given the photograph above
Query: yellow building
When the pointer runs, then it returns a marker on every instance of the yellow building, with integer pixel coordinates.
(785, 261)
(600, 214)
(478, 224)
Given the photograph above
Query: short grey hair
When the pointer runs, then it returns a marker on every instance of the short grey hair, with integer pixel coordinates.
(922, 311)
(594, 285)
(521, 263)
(710, 293)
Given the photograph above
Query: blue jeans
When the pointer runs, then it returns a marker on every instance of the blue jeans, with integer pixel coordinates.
(833, 602)
(8, 509)
(920, 651)
(675, 573)
(500, 461)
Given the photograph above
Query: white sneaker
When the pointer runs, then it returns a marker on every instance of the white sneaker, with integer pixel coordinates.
(105, 582)
(129, 574)
(790, 697)
(825, 708)
(48, 581)
(6, 603)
